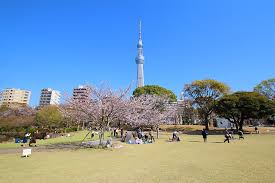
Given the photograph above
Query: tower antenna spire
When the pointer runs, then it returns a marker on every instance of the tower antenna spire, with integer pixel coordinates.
(139, 29)
(140, 60)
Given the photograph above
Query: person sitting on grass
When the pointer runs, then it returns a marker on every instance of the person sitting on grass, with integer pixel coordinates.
(175, 137)
(226, 135)
(139, 133)
(129, 138)
(138, 141)
(109, 143)
(146, 138)
(124, 137)
(240, 133)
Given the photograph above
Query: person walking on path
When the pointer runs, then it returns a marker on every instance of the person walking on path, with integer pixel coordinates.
(152, 138)
(204, 135)
(227, 136)
(256, 130)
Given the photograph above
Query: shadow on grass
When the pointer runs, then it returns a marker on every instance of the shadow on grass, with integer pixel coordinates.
(171, 141)
(205, 142)
(63, 146)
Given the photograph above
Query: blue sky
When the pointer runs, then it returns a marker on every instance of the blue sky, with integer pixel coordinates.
(61, 44)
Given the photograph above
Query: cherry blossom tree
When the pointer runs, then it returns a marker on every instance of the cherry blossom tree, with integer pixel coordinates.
(152, 111)
(103, 108)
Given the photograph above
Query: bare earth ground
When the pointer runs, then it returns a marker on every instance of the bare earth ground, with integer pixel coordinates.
(191, 160)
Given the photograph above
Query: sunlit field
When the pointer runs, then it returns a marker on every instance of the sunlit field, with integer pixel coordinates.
(191, 160)
(74, 137)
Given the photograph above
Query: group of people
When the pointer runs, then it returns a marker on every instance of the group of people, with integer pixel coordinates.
(138, 137)
(116, 131)
(28, 138)
(228, 134)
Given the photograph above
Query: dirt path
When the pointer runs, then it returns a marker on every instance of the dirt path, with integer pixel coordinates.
(47, 148)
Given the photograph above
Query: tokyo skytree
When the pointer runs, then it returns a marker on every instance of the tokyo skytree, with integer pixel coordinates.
(140, 60)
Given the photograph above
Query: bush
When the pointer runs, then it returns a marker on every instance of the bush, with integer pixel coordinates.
(31, 129)
(20, 129)
(4, 138)
(72, 129)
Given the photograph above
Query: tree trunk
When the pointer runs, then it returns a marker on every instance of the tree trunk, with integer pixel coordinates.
(157, 132)
(206, 122)
(83, 125)
(78, 127)
(101, 137)
(241, 125)
(237, 127)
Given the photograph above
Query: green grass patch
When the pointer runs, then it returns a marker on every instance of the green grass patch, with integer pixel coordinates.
(75, 137)
(250, 160)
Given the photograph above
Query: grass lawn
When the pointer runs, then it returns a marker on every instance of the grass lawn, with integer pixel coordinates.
(75, 137)
(249, 160)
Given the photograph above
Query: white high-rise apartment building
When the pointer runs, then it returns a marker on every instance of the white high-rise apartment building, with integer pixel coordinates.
(81, 93)
(13, 96)
(49, 97)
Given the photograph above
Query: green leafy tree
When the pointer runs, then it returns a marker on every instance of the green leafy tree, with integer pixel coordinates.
(204, 94)
(188, 113)
(49, 116)
(267, 88)
(155, 90)
(241, 106)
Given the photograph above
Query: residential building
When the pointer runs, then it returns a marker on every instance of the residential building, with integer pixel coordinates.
(49, 97)
(223, 123)
(13, 96)
(81, 93)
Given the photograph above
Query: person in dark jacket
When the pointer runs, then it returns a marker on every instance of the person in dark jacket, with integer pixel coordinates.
(226, 135)
(32, 140)
(121, 133)
(256, 130)
(204, 135)
(240, 133)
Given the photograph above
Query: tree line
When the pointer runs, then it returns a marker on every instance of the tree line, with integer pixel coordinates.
(149, 106)
(210, 97)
